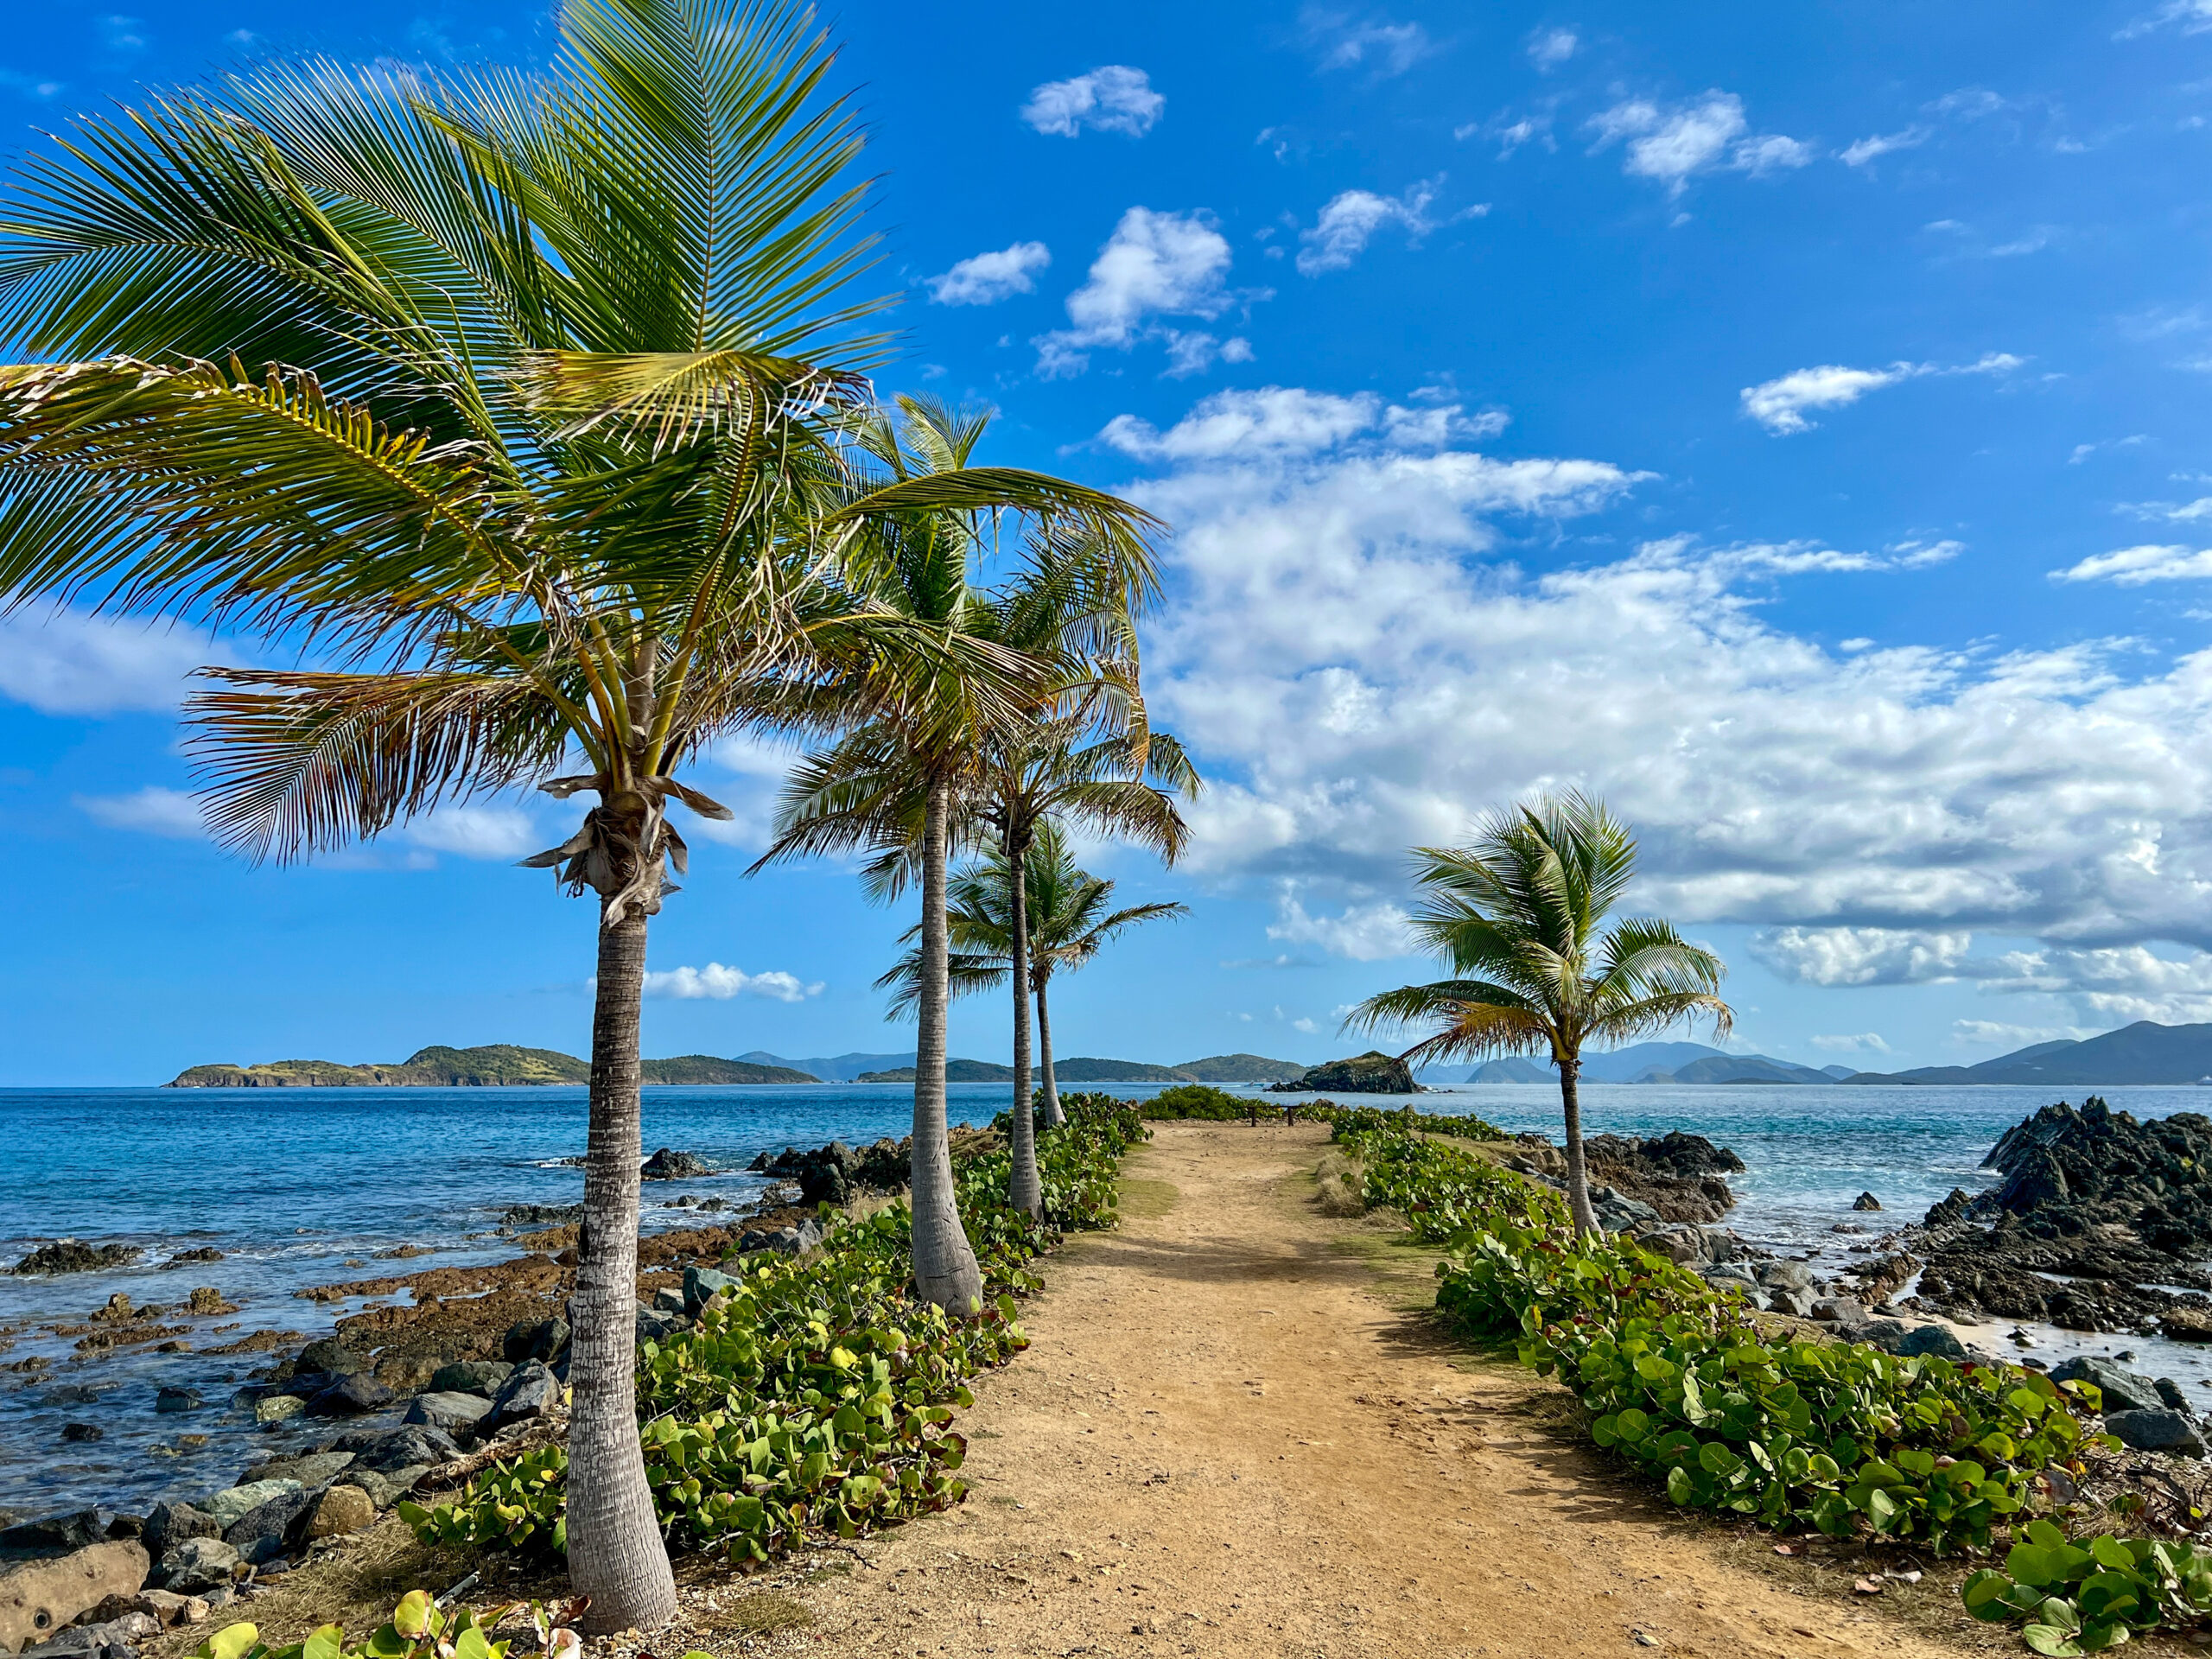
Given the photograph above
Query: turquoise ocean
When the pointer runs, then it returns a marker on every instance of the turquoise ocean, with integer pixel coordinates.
(292, 1185)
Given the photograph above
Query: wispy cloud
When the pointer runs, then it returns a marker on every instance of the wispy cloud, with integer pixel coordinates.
(1884, 144)
(1372, 43)
(1116, 98)
(150, 812)
(987, 278)
(1351, 218)
(1550, 48)
(2137, 567)
(1674, 143)
(1780, 404)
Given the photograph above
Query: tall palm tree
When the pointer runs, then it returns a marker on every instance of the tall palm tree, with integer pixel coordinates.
(1520, 914)
(551, 463)
(1068, 923)
(895, 787)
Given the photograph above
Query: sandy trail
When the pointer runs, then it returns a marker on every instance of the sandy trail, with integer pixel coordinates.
(1225, 1441)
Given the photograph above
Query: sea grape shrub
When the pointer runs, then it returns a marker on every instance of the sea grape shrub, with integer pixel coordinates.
(2074, 1599)
(1679, 1381)
(815, 1397)
(1352, 1122)
(1202, 1101)
(419, 1629)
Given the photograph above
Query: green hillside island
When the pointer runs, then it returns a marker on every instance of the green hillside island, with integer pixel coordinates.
(1083, 1068)
(2141, 1053)
(494, 1066)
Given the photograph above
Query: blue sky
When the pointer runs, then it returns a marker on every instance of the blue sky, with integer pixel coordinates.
(1788, 422)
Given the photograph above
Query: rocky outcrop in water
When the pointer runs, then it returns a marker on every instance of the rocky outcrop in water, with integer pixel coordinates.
(2100, 1223)
(1371, 1073)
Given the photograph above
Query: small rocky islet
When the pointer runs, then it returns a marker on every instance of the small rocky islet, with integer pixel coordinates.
(402, 1397)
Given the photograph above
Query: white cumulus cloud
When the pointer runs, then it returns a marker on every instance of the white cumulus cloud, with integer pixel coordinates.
(1116, 99)
(1155, 264)
(1863, 1042)
(67, 662)
(477, 832)
(1394, 671)
(720, 984)
(1780, 404)
(1276, 421)
(1341, 233)
(2134, 567)
(1673, 144)
(1364, 933)
(987, 278)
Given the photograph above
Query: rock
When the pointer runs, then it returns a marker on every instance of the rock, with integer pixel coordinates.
(171, 1401)
(332, 1357)
(275, 1407)
(1728, 1272)
(1938, 1339)
(1677, 1246)
(1884, 1334)
(2156, 1430)
(1948, 1211)
(384, 1488)
(113, 1639)
(1839, 1310)
(668, 1301)
(2187, 1322)
(669, 1166)
(82, 1433)
(38, 1598)
(2169, 1394)
(172, 1609)
(446, 1411)
(230, 1505)
(655, 1326)
(700, 1285)
(310, 1468)
(1371, 1073)
(351, 1396)
(1784, 1275)
(412, 1446)
(2123, 1390)
(57, 1534)
(206, 1302)
(340, 1509)
(171, 1524)
(406, 1373)
(1797, 1304)
(186, 1258)
(70, 1394)
(1865, 1201)
(471, 1377)
(1617, 1213)
(68, 1256)
(529, 1394)
(157, 1605)
(272, 1529)
(196, 1566)
(545, 1339)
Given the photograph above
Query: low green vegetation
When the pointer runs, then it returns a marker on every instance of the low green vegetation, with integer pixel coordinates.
(816, 1397)
(417, 1628)
(1680, 1382)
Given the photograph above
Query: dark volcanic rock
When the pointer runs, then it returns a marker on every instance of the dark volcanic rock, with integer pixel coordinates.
(381, 1451)
(58, 1534)
(1865, 1201)
(171, 1524)
(1371, 1073)
(1678, 1175)
(530, 1392)
(350, 1396)
(831, 1174)
(2157, 1430)
(2123, 1390)
(671, 1165)
(545, 1339)
(69, 1255)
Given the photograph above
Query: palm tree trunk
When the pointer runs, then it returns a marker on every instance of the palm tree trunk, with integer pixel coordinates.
(615, 1553)
(944, 1262)
(1025, 1191)
(1577, 1172)
(1054, 1118)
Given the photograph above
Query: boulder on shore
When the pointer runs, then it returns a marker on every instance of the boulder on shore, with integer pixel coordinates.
(38, 1597)
(668, 1164)
(2157, 1430)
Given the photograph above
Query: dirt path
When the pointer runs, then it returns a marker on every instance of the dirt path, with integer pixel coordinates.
(1225, 1442)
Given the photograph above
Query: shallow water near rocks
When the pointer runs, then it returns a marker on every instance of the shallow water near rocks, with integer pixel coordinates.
(292, 1185)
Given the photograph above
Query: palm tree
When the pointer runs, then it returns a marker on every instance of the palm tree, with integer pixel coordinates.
(895, 786)
(1068, 924)
(551, 463)
(1518, 914)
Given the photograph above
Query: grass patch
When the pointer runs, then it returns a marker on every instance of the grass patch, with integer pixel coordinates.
(1340, 1183)
(760, 1615)
(1143, 1199)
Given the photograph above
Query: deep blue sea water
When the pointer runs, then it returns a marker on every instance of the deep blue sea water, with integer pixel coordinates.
(293, 1184)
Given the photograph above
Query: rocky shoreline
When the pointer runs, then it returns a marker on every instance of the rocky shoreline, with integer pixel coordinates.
(443, 1370)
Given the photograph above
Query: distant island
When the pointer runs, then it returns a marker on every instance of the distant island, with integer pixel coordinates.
(2141, 1053)
(1085, 1068)
(494, 1066)
(1690, 1063)
(506, 1066)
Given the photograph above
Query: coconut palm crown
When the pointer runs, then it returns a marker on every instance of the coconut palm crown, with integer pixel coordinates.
(1520, 915)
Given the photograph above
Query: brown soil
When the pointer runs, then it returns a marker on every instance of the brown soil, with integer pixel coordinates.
(1233, 1435)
